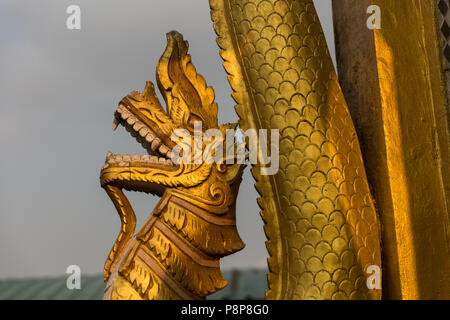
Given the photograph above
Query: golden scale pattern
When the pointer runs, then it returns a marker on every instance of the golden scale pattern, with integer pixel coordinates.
(320, 220)
(186, 248)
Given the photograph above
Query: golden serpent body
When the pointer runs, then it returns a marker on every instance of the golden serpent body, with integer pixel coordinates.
(322, 228)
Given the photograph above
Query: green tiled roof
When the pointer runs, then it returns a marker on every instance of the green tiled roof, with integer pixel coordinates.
(248, 284)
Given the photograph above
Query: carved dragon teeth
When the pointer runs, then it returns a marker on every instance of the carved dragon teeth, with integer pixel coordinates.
(117, 156)
(126, 157)
(121, 108)
(163, 149)
(124, 160)
(149, 138)
(144, 132)
(154, 143)
(131, 120)
(125, 115)
(138, 126)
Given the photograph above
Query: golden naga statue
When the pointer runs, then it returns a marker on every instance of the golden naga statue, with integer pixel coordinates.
(323, 232)
(175, 254)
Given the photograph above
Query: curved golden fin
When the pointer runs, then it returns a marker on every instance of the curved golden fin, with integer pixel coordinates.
(128, 221)
(187, 96)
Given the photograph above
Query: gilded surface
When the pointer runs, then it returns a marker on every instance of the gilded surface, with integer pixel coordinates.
(394, 82)
(175, 254)
(322, 228)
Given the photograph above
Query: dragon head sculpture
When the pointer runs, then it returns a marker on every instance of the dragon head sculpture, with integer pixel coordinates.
(208, 187)
(188, 100)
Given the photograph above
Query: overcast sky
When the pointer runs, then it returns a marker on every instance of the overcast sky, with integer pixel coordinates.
(59, 89)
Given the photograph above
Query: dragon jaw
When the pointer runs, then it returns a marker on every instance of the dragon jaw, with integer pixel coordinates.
(152, 128)
(188, 100)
